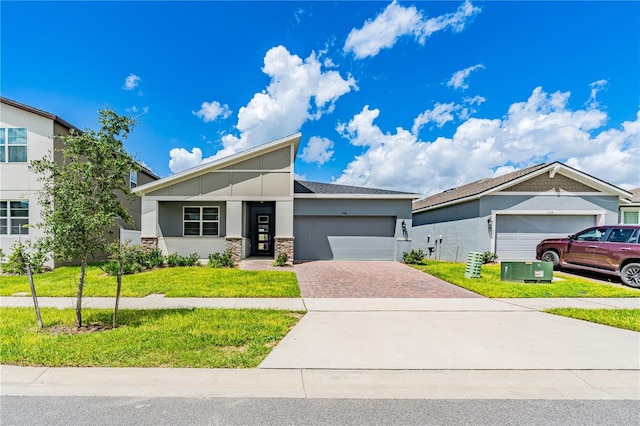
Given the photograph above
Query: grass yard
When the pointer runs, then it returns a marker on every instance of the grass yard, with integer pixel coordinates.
(489, 284)
(205, 338)
(172, 282)
(628, 319)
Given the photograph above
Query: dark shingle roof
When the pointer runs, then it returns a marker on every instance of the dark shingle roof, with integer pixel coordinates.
(474, 188)
(304, 187)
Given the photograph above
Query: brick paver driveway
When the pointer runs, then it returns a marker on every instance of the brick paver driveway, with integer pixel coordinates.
(371, 279)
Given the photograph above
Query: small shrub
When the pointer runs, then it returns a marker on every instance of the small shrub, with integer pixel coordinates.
(154, 259)
(221, 260)
(414, 256)
(175, 259)
(16, 263)
(489, 257)
(128, 267)
(281, 259)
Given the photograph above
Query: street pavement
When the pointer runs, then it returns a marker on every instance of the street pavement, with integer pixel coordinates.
(389, 348)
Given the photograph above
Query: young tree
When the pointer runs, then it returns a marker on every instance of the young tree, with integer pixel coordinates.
(80, 194)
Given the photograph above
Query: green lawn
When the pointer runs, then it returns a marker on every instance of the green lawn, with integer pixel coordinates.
(172, 282)
(489, 284)
(628, 319)
(199, 338)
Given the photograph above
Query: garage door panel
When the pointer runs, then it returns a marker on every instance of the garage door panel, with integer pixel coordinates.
(344, 238)
(518, 236)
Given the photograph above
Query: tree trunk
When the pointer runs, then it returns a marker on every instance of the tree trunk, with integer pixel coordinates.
(83, 267)
(118, 287)
(35, 297)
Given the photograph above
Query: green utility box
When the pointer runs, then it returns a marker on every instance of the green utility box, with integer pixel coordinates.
(528, 272)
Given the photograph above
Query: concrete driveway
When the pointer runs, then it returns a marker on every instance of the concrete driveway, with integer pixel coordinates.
(371, 279)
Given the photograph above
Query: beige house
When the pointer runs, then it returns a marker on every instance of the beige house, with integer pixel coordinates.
(26, 134)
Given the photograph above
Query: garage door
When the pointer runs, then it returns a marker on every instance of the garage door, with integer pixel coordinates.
(344, 238)
(517, 236)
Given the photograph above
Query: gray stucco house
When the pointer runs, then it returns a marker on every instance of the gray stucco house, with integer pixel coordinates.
(511, 214)
(250, 204)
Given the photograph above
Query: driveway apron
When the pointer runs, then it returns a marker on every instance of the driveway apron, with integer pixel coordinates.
(371, 279)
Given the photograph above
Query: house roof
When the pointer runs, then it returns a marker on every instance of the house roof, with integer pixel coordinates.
(219, 163)
(39, 112)
(635, 195)
(305, 189)
(487, 186)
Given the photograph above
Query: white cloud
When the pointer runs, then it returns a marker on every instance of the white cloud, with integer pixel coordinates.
(459, 78)
(299, 91)
(131, 82)
(596, 86)
(540, 129)
(440, 114)
(181, 159)
(211, 111)
(318, 150)
(396, 21)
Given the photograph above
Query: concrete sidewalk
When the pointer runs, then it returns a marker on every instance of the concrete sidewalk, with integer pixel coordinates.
(384, 348)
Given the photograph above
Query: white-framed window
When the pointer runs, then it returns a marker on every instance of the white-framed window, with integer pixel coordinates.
(14, 216)
(133, 179)
(13, 145)
(631, 217)
(201, 221)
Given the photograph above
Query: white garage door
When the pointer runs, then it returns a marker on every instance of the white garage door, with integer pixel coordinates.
(344, 238)
(517, 236)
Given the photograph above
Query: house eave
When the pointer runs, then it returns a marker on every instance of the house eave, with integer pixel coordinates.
(358, 196)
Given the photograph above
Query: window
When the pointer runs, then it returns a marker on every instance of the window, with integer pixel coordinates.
(133, 179)
(631, 217)
(14, 215)
(591, 235)
(13, 145)
(619, 235)
(201, 221)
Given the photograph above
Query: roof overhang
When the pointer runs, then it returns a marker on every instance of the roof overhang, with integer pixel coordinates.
(358, 196)
(220, 163)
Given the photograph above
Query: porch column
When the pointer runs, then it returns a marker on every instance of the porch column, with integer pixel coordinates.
(284, 229)
(149, 224)
(233, 232)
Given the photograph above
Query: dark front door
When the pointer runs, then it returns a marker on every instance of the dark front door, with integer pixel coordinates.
(262, 228)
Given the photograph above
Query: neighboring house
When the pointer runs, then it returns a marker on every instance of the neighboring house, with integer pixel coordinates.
(630, 209)
(511, 214)
(250, 204)
(26, 134)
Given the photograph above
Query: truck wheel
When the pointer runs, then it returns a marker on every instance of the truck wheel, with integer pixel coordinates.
(630, 275)
(551, 256)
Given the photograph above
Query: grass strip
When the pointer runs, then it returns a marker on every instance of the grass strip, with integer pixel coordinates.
(628, 319)
(202, 338)
(490, 285)
(172, 282)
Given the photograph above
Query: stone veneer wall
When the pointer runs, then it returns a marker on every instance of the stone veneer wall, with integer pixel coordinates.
(149, 243)
(284, 245)
(234, 245)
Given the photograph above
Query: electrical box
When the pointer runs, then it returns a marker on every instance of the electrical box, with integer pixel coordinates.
(474, 264)
(528, 272)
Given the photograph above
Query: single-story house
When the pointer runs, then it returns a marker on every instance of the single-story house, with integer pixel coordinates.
(510, 214)
(250, 204)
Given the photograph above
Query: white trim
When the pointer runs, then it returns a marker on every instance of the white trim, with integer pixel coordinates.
(601, 215)
(216, 198)
(550, 194)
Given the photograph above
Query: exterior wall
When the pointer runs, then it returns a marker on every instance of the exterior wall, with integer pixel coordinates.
(359, 246)
(16, 181)
(464, 227)
(187, 246)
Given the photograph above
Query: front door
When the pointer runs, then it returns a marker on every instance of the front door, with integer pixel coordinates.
(262, 227)
(264, 235)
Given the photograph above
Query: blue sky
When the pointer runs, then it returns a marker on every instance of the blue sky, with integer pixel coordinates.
(417, 96)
